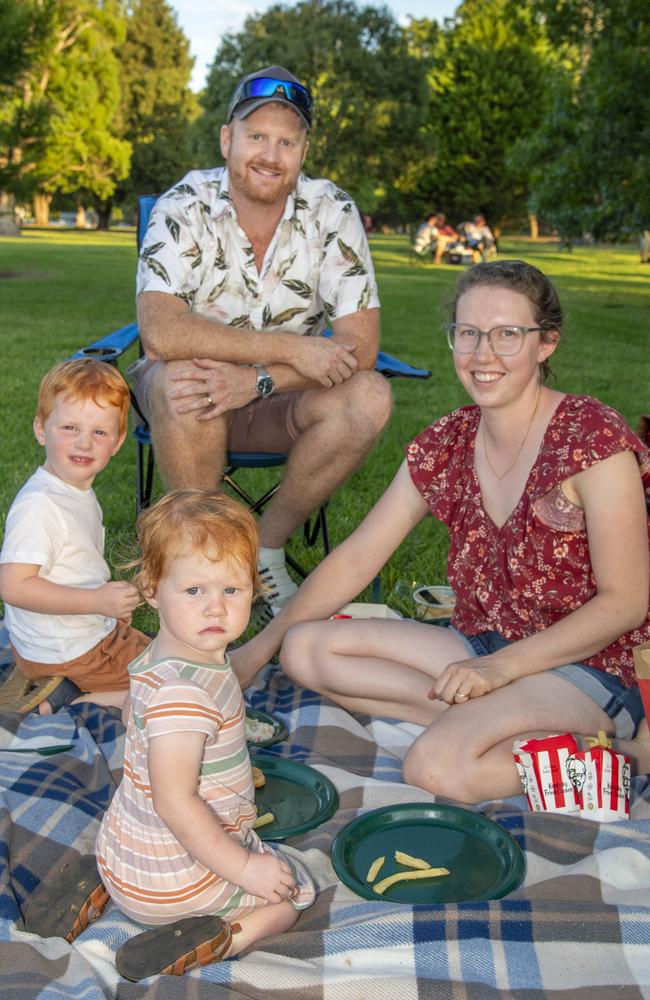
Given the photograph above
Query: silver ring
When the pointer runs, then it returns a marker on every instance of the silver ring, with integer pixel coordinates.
(460, 697)
(210, 403)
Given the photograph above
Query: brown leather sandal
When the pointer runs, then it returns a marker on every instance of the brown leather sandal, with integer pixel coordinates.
(67, 901)
(174, 948)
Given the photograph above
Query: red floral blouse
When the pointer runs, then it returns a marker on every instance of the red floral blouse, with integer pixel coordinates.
(535, 569)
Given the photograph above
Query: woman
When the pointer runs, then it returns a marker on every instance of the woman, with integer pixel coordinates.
(542, 493)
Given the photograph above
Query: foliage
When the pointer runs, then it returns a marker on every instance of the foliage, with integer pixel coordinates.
(56, 117)
(156, 104)
(369, 89)
(486, 75)
(590, 161)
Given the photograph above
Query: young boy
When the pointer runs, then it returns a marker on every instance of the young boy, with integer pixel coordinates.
(65, 617)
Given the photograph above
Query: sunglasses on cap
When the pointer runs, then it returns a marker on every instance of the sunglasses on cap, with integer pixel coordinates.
(268, 86)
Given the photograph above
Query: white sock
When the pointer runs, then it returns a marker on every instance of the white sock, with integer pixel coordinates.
(270, 558)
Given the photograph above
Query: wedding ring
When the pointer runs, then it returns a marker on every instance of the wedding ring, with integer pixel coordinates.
(460, 697)
(210, 400)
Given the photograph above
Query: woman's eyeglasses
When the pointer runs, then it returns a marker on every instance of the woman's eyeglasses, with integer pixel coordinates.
(503, 340)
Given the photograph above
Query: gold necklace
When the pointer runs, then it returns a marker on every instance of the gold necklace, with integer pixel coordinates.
(500, 478)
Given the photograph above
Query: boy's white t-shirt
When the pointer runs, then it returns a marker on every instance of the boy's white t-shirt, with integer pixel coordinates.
(59, 528)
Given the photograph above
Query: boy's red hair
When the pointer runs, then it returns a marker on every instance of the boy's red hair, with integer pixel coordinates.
(83, 379)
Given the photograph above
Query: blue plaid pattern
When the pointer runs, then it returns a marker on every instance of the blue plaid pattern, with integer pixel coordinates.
(578, 926)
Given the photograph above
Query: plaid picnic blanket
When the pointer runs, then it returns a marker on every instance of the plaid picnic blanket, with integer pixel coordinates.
(578, 926)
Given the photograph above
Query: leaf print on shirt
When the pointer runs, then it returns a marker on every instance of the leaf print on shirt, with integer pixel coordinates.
(364, 298)
(313, 320)
(157, 268)
(330, 310)
(340, 195)
(220, 257)
(298, 226)
(217, 290)
(173, 227)
(349, 254)
(281, 317)
(301, 288)
(299, 203)
(286, 265)
(240, 321)
(195, 253)
(330, 236)
(187, 298)
(249, 283)
(151, 249)
(183, 189)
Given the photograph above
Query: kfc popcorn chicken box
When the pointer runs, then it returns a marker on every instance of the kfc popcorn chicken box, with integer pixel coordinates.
(642, 667)
(545, 771)
(602, 780)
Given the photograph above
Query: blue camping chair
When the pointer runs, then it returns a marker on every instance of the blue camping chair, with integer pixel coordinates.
(111, 347)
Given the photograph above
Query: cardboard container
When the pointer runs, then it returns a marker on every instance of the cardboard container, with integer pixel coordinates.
(642, 667)
(544, 770)
(602, 779)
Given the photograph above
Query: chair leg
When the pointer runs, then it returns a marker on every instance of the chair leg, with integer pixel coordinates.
(144, 485)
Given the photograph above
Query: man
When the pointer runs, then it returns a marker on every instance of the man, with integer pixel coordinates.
(242, 268)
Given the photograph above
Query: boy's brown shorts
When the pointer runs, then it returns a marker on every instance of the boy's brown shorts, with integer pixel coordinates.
(102, 668)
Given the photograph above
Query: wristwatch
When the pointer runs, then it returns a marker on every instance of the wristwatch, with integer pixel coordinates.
(264, 384)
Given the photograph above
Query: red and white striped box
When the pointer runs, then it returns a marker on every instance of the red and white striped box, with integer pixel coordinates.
(602, 779)
(544, 770)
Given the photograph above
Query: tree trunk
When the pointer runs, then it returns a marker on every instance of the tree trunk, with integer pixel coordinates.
(534, 226)
(42, 208)
(80, 218)
(104, 209)
(8, 224)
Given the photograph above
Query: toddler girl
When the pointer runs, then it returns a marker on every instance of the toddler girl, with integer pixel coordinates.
(177, 840)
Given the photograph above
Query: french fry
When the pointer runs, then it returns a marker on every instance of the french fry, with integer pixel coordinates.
(380, 887)
(374, 869)
(410, 862)
(263, 820)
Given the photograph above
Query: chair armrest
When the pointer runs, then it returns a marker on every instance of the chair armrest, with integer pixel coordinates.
(112, 346)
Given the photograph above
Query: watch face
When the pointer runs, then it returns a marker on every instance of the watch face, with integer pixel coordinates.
(264, 384)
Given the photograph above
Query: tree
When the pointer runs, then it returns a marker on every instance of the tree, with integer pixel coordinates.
(369, 90)
(590, 161)
(156, 105)
(56, 120)
(488, 70)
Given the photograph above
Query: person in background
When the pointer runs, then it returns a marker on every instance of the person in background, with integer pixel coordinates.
(446, 235)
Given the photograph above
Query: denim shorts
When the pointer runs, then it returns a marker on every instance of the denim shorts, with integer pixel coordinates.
(623, 705)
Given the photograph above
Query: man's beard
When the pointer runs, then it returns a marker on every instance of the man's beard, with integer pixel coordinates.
(261, 194)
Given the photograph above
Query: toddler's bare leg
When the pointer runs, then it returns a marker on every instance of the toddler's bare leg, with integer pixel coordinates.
(111, 699)
(262, 923)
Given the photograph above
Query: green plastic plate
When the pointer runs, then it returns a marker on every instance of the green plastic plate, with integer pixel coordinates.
(280, 730)
(484, 860)
(43, 751)
(299, 797)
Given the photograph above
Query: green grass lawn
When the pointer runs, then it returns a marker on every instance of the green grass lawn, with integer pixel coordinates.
(60, 290)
